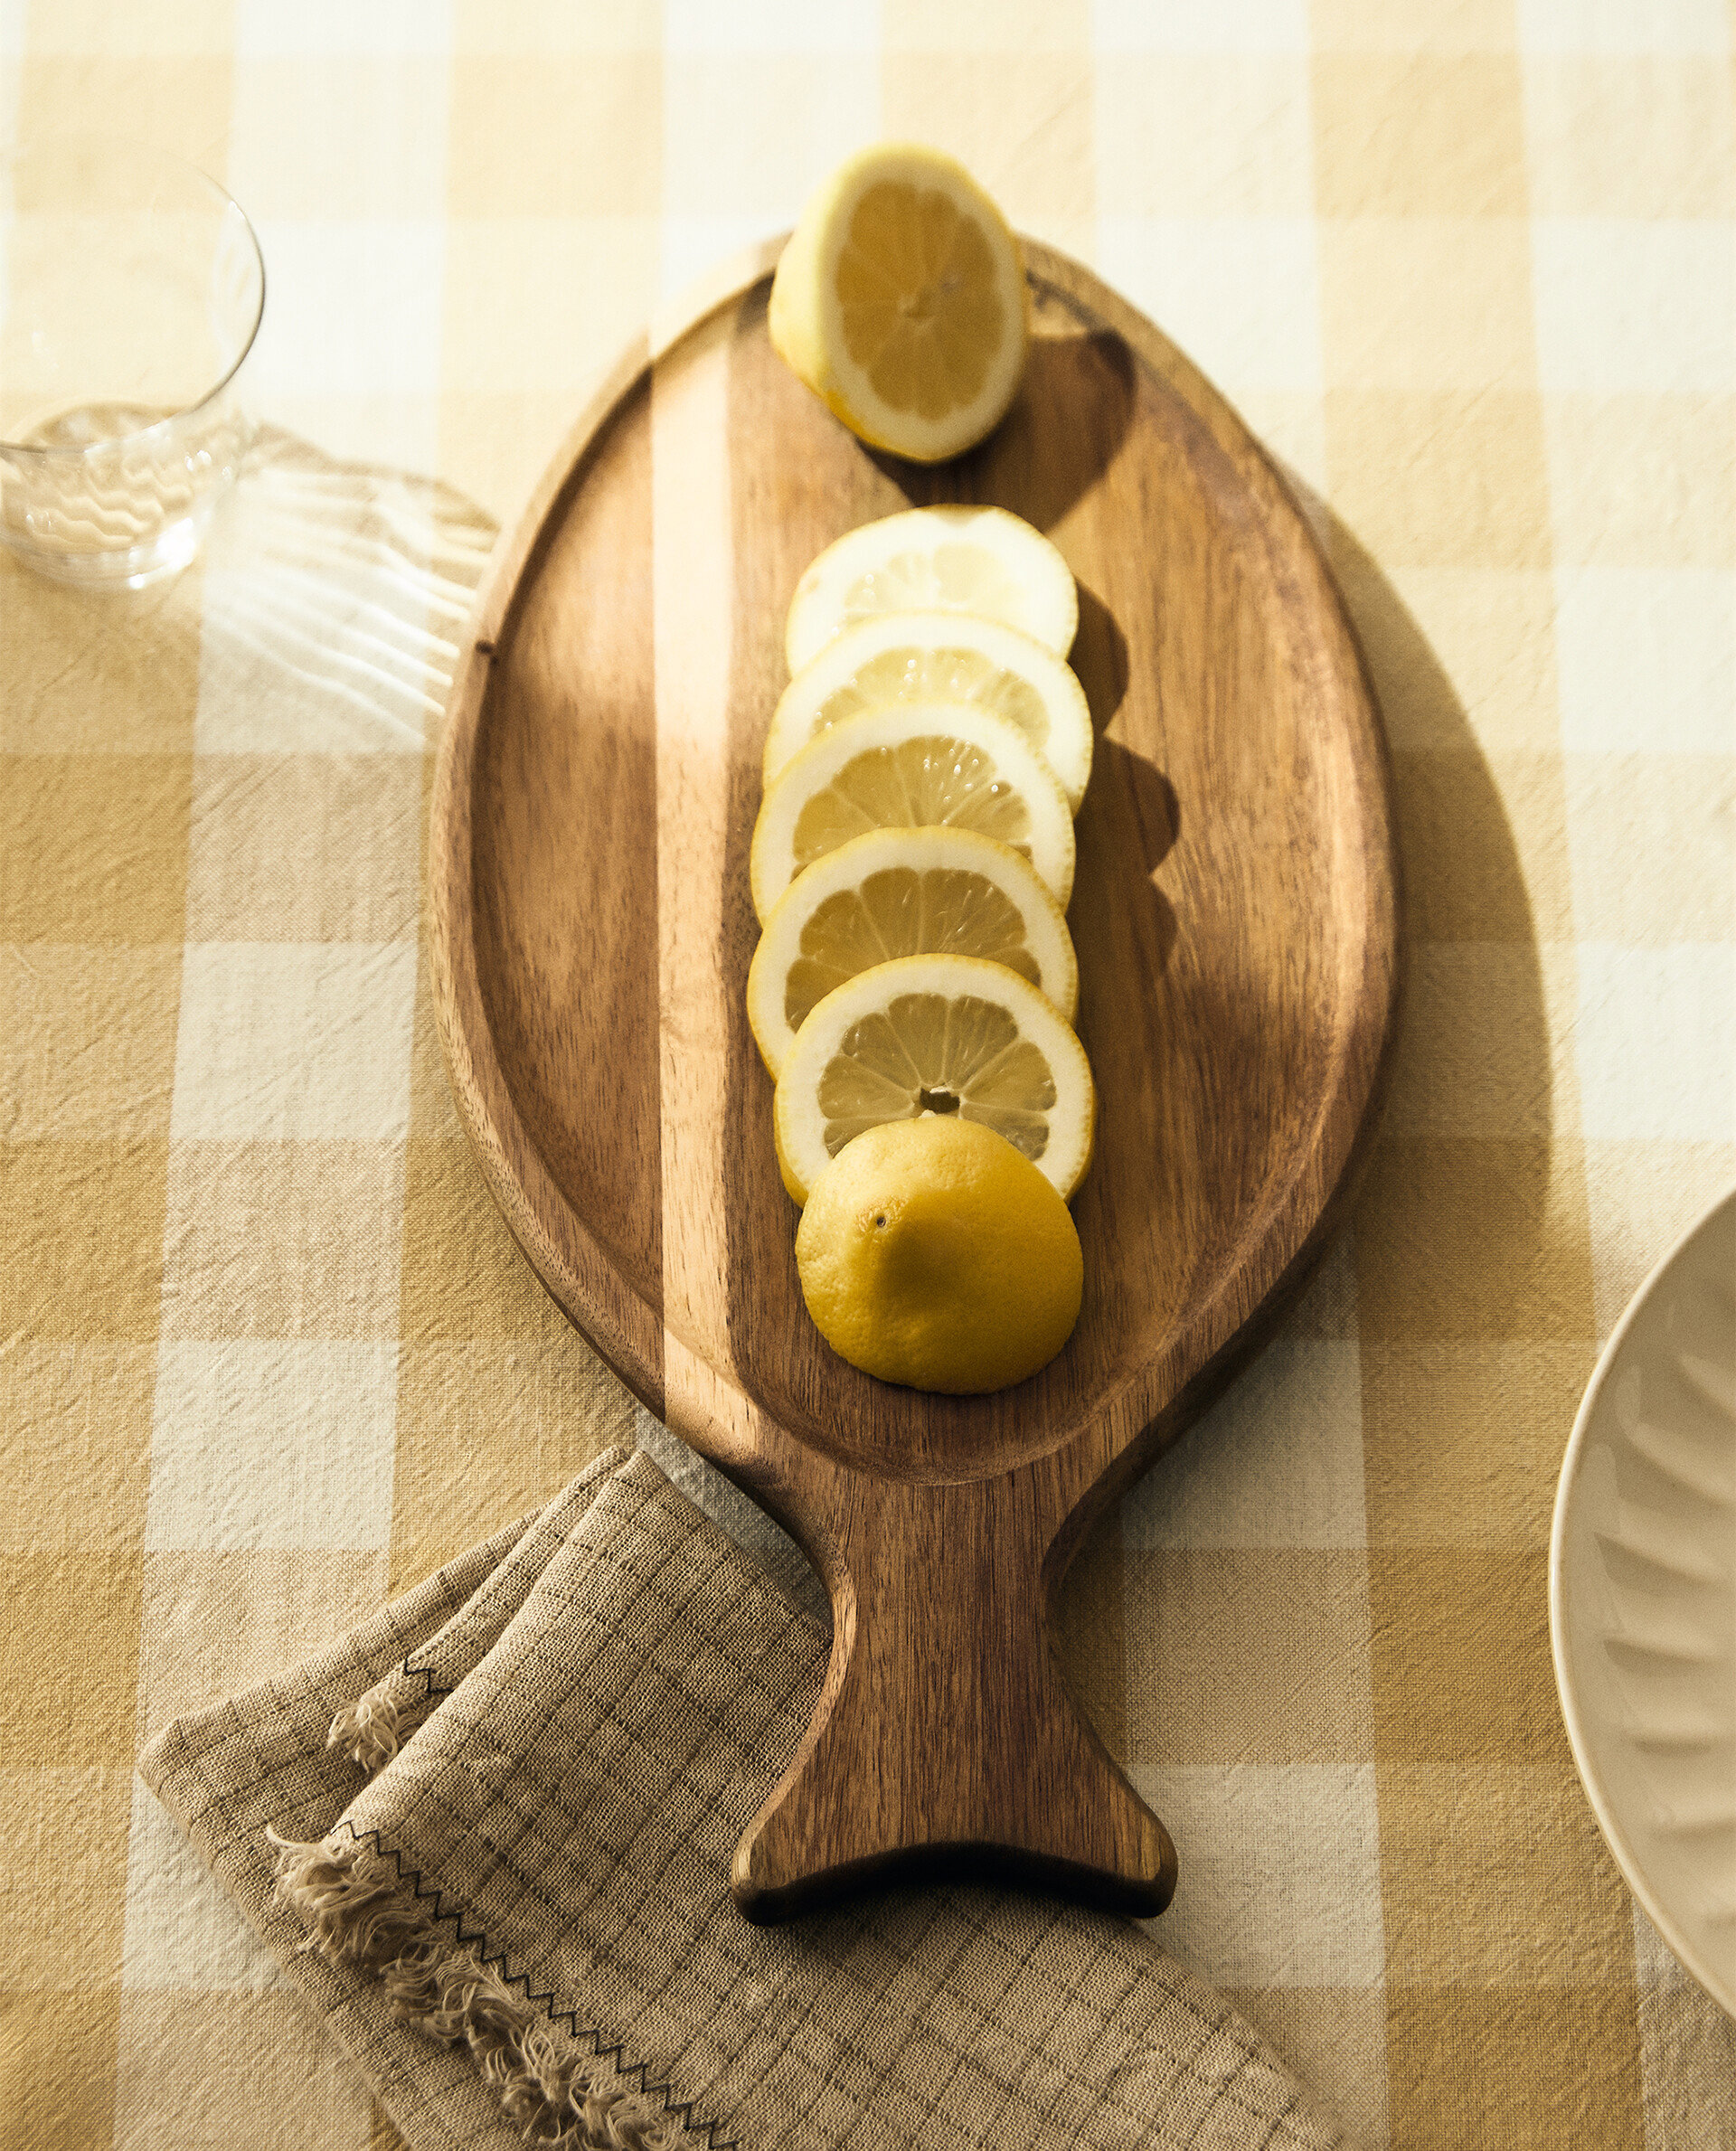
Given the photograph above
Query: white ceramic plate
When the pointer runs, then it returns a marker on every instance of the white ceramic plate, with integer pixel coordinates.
(1642, 1598)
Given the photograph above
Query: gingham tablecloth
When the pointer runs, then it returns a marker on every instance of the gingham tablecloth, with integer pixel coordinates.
(266, 1352)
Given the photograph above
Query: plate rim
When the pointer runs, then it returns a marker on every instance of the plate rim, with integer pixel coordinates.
(1603, 1807)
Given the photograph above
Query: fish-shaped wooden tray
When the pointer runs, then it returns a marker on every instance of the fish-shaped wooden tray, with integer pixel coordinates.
(1236, 916)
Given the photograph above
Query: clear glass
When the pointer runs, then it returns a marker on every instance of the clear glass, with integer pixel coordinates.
(131, 289)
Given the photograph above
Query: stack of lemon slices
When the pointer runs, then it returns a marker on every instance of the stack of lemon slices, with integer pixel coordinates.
(911, 868)
(914, 987)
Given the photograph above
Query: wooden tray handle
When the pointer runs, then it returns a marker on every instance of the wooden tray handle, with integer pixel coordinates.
(945, 1738)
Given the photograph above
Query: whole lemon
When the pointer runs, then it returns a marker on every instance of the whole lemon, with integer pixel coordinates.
(933, 1253)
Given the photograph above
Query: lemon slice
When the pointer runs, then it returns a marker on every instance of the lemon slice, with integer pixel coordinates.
(903, 892)
(900, 300)
(980, 561)
(940, 656)
(941, 1035)
(911, 765)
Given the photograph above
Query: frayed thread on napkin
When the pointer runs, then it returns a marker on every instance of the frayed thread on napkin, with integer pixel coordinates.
(370, 1731)
(359, 1911)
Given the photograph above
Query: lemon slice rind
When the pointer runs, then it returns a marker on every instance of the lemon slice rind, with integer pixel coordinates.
(799, 1121)
(915, 657)
(989, 869)
(979, 560)
(995, 744)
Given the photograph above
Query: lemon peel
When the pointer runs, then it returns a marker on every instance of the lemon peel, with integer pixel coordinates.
(986, 562)
(932, 1254)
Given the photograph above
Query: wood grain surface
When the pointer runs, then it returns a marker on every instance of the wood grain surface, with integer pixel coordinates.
(1235, 914)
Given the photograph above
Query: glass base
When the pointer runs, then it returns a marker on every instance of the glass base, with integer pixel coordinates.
(128, 509)
(166, 554)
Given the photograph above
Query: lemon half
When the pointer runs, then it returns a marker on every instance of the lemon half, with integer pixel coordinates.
(932, 1254)
(941, 656)
(903, 892)
(979, 560)
(942, 1034)
(910, 765)
(901, 300)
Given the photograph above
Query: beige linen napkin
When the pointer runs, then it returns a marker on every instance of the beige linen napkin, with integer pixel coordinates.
(520, 1924)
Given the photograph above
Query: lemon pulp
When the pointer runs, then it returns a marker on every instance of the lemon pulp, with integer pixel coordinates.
(900, 300)
(983, 563)
(926, 1053)
(895, 892)
(902, 913)
(907, 766)
(916, 282)
(948, 1035)
(931, 781)
(937, 675)
(959, 578)
(945, 657)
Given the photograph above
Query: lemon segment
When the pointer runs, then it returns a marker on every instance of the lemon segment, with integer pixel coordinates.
(940, 656)
(942, 1034)
(978, 561)
(903, 892)
(932, 1254)
(900, 300)
(911, 765)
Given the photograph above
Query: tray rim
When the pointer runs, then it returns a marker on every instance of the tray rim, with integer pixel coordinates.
(483, 1096)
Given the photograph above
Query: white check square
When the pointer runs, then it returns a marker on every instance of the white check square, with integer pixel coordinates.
(1278, 1461)
(1627, 306)
(1660, 26)
(1200, 26)
(1656, 1964)
(355, 309)
(294, 1042)
(277, 1445)
(1647, 660)
(791, 123)
(312, 140)
(1241, 295)
(183, 1934)
(691, 247)
(1657, 1041)
(267, 28)
(777, 27)
(1281, 1885)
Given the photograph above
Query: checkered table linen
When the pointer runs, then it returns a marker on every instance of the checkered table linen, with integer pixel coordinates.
(267, 1356)
(522, 1928)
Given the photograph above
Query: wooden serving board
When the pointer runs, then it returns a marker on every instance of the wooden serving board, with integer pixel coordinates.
(1235, 914)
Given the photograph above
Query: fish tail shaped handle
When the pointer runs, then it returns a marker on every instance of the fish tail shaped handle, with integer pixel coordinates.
(946, 1741)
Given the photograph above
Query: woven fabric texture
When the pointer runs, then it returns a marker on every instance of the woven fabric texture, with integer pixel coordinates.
(567, 1813)
(268, 1357)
